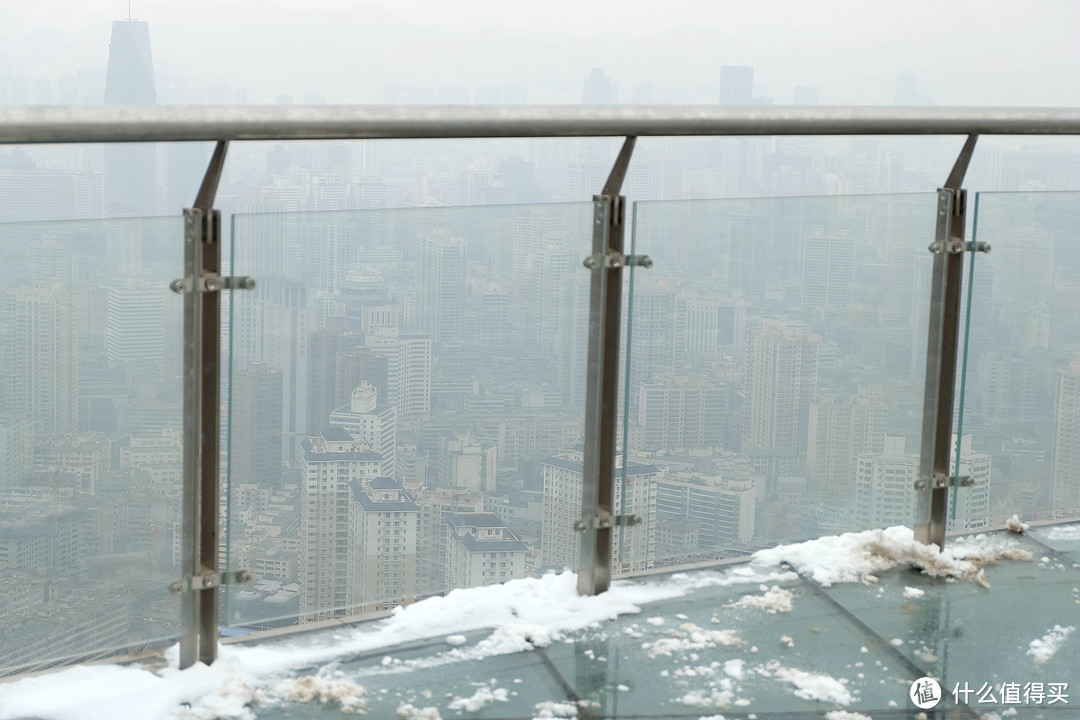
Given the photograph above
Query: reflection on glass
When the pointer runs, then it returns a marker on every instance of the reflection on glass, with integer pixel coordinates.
(776, 366)
(399, 379)
(90, 433)
(1022, 405)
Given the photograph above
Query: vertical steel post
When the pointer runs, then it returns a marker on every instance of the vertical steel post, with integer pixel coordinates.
(941, 352)
(202, 323)
(602, 382)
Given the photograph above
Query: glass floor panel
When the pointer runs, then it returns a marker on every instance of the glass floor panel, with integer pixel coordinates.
(705, 643)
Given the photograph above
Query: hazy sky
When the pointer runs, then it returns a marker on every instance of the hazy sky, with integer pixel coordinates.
(961, 51)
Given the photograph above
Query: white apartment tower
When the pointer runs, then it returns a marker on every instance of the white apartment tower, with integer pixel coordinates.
(481, 550)
(385, 522)
(1065, 487)
(633, 549)
(328, 562)
(374, 424)
(41, 356)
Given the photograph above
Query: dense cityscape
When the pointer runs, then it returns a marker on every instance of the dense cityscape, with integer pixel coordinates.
(403, 407)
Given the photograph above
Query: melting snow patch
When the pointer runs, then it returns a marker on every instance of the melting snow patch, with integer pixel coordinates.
(786, 641)
(1014, 525)
(696, 638)
(484, 695)
(913, 592)
(455, 640)
(734, 668)
(813, 686)
(859, 557)
(550, 709)
(410, 712)
(845, 715)
(1063, 532)
(324, 689)
(774, 600)
(657, 621)
(1045, 647)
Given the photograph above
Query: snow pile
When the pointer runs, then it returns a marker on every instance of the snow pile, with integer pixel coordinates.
(812, 686)
(911, 593)
(859, 557)
(484, 695)
(549, 709)
(1014, 525)
(692, 637)
(455, 640)
(734, 668)
(721, 697)
(1047, 646)
(406, 711)
(845, 715)
(324, 689)
(1063, 532)
(775, 599)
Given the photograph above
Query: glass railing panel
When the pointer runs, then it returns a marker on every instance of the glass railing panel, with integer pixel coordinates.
(1021, 421)
(399, 381)
(90, 438)
(776, 365)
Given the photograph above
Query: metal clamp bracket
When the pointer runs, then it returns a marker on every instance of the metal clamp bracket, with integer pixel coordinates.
(207, 581)
(212, 283)
(961, 247)
(606, 520)
(943, 481)
(617, 260)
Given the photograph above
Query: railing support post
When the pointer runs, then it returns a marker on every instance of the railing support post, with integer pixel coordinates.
(941, 353)
(201, 286)
(602, 380)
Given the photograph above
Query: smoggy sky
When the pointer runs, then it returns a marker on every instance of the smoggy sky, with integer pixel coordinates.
(961, 51)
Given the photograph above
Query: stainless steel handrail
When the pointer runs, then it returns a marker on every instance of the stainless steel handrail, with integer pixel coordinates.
(163, 123)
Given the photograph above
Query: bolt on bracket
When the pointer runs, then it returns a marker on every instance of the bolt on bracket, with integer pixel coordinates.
(941, 480)
(606, 520)
(617, 260)
(212, 283)
(207, 581)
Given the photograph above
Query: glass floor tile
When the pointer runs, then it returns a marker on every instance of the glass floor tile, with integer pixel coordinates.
(1063, 538)
(844, 652)
(849, 647)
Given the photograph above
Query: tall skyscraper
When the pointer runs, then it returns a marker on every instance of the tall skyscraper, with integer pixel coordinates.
(134, 323)
(440, 268)
(780, 382)
(1065, 490)
(376, 425)
(828, 269)
(736, 85)
(839, 431)
(599, 89)
(41, 356)
(256, 425)
(130, 169)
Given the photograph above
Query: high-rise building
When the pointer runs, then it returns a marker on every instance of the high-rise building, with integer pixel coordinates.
(969, 507)
(481, 550)
(41, 356)
(599, 89)
(384, 518)
(130, 169)
(255, 420)
(779, 382)
(376, 425)
(736, 85)
(678, 412)
(1065, 488)
(331, 461)
(409, 366)
(828, 269)
(440, 270)
(839, 431)
(723, 509)
(633, 548)
(16, 447)
(134, 323)
(885, 486)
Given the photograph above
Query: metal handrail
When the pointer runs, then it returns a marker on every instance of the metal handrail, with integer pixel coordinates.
(163, 123)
